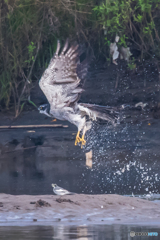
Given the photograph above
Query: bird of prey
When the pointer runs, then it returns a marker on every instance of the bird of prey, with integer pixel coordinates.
(61, 191)
(61, 83)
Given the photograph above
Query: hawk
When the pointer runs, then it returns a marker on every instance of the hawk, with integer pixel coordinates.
(61, 83)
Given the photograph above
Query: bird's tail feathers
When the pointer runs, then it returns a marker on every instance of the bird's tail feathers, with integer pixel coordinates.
(107, 113)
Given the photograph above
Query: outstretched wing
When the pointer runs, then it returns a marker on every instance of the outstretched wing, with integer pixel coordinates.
(60, 81)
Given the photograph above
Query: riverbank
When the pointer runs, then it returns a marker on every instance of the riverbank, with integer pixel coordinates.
(77, 209)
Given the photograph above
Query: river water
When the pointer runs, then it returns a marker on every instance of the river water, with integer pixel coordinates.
(122, 160)
(92, 232)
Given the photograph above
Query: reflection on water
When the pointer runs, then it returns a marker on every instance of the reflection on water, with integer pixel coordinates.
(123, 160)
(95, 232)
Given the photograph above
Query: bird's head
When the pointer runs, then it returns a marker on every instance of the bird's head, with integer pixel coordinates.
(54, 185)
(45, 109)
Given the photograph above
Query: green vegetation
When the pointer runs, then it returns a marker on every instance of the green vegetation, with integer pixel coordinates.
(135, 21)
(29, 30)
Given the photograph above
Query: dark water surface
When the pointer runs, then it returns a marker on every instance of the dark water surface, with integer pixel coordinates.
(93, 232)
(125, 160)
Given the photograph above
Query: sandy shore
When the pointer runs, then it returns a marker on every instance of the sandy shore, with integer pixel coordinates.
(76, 209)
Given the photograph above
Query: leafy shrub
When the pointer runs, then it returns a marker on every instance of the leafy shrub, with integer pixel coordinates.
(136, 21)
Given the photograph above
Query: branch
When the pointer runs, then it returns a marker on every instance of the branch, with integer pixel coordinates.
(34, 126)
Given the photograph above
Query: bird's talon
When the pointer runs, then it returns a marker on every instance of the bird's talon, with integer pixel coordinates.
(79, 139)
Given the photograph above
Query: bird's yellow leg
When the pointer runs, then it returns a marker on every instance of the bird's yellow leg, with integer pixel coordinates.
(83, 142)
(78, 139)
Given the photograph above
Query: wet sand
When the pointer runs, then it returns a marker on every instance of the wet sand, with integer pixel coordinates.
(77, 209)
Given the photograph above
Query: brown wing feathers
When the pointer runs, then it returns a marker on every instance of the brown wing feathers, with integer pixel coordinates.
(60, 81)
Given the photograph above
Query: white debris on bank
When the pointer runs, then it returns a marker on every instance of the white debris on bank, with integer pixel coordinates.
(123, 52)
